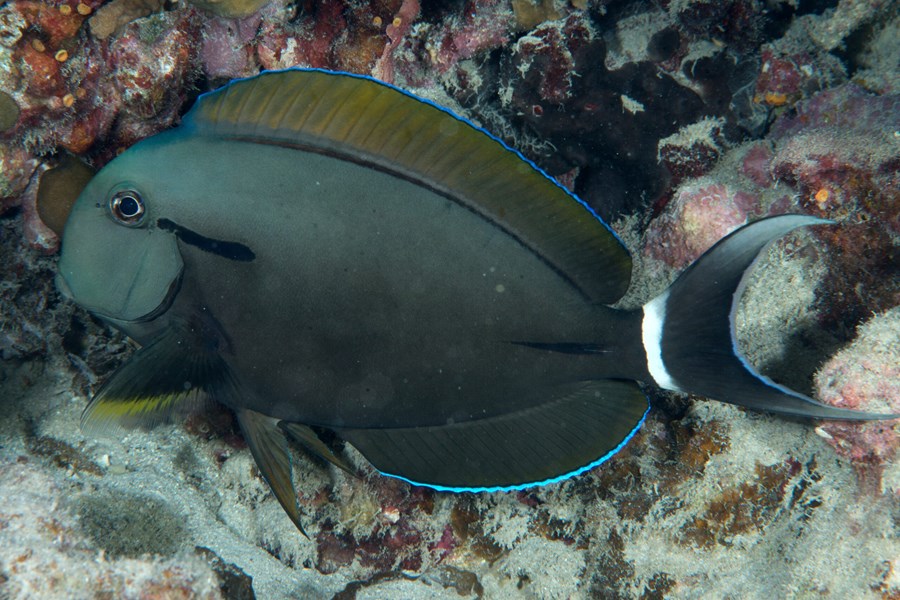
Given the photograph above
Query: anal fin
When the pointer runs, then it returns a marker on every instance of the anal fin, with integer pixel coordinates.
(580, 426)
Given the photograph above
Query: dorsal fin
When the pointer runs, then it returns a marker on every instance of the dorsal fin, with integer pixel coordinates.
(363, 120)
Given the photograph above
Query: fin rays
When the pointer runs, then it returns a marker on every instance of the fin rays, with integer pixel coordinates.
(695, 350)
(270, 451)
(370, 122)
(579, 427)
(162, 379)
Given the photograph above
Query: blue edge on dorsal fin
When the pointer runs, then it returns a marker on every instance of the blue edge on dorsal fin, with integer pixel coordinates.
(186, 122)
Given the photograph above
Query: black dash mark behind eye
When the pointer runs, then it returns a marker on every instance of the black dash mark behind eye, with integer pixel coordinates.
(229, 250)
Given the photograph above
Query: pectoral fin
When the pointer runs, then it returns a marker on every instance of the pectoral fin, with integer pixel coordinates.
(270, 450)
(168, 376)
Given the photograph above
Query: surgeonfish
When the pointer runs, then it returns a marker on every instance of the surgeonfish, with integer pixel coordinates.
(323, 252)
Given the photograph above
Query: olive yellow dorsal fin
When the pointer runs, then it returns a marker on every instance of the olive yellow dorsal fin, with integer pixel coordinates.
(356, 118)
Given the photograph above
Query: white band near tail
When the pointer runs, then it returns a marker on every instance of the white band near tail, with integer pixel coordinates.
(651, 333)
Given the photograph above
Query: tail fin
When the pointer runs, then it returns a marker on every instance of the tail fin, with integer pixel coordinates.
(689, 337)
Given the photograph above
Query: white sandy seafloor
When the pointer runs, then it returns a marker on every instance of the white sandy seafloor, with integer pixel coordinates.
(66, 532)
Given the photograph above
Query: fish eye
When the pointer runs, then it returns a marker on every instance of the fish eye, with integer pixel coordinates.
(127, 207)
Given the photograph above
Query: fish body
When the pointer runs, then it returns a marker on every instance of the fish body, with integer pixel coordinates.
(322, 251)
(351, 311)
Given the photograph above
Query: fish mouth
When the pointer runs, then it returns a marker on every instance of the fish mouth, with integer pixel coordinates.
(174, 287)
(167, 301)
(161, 308)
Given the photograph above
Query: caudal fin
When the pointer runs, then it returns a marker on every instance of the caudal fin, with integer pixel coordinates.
(688, 331)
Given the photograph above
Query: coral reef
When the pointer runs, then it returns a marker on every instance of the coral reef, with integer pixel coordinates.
(843, 162)
(693, 150)
(17, 166)
(865, 376)
(328, 36)
(396, 30)
(688, 117)
(226, 51)
(785, 79)
(62, 85)
(69, 90)
(699, 216)
(472, 33)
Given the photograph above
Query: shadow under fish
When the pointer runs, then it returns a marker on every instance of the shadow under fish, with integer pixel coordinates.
(320, 249)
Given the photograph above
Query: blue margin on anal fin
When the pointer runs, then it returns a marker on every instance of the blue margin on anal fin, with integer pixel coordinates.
(525, 486)
(577, 429)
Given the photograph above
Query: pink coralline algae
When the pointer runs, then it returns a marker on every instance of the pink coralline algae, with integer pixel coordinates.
(227, 49)
(838, 153)
(865, 376)
(73, 88)
(392, 537)
(693, 151)
(546, 55)
(835, 134)
(152, 74)
(331, 35)
(309, 42)
(382, 38)
(481, 27)
(16, 168)
(44, 79)
(70, 90)
(757, 165)
(395, 31)
(700, 215)
(784, 79)
(19, 177)
(445, 545)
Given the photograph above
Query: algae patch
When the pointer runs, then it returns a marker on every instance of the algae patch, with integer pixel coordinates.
(231, 9)
(129, 525)
(9, 112)
(58, 189)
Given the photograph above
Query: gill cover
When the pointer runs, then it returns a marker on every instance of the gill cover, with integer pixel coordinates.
(122, 272)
